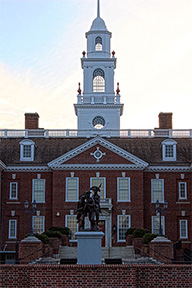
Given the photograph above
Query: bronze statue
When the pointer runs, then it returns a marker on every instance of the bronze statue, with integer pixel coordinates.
(89, 205)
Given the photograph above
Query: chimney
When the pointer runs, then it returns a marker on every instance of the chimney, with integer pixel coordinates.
(31, 121)
(165, 120)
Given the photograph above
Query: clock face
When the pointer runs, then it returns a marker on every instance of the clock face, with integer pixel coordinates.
(98, 122)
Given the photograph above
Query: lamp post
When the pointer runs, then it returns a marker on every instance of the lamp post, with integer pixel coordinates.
(32, 211)
(161, 210)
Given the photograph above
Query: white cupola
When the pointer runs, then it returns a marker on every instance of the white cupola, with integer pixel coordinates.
(98, 109)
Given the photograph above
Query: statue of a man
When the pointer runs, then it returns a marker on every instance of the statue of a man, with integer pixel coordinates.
(96, 198)
(89, 205)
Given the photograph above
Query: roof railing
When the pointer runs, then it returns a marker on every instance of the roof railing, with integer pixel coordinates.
(73, 133)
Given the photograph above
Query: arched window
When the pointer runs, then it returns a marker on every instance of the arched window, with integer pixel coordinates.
(98, 43)
(98, 122)
(98, 81)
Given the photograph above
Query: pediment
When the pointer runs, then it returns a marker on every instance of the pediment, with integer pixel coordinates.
(97, 153)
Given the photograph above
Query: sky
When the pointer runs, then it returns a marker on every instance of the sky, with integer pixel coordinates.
(41, 43)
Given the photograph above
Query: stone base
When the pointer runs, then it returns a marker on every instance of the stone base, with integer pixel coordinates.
(161, 249)
(30, 249)
(89, 247)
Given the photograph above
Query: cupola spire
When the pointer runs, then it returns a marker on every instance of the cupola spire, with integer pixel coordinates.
(98, 8)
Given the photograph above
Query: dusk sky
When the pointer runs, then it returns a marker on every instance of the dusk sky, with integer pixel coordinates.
(41, 43)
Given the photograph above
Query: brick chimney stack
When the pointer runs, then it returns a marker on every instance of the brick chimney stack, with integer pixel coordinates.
(165, 120)
(31, 121)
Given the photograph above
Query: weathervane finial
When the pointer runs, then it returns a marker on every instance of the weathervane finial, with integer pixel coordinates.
(98, 8)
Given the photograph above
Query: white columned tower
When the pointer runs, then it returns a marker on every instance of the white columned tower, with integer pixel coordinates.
(98, 108)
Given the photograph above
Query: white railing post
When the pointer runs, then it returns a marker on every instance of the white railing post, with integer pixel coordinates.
(26, 133)
(5, 133)
(46, 133)
(67, 133)
(170, 133)
(149, 133)
(190, 133)
(129, 133)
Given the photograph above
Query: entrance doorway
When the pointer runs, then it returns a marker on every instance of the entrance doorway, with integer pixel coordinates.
(102, 227)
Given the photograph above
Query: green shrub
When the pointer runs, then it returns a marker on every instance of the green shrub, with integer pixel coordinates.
(53, 234)
(139, 233)
(130, 231)
(148, 237)
(62, 230)
(42, 237)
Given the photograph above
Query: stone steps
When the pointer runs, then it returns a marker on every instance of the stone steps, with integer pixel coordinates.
(113, 252)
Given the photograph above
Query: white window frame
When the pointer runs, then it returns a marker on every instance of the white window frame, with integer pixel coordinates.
(75, 217)
(11, 190)
(42, 217)
(186, 228)
(118, 228)
(66, 190)
(103, 188)
(33, 198)
(169, 142)
(15, 230)
(118, 189)
(162, 224)
(23, 143)
(154, 201)
(181, 183)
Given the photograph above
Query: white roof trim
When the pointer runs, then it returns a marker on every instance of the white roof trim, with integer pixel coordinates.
(27, 169)
(2, 165)
(58, 163)
(98, 167)
(168, 169)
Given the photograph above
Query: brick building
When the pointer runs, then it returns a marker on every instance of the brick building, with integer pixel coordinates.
(136, 168)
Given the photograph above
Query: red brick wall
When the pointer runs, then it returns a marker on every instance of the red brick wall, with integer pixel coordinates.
(30, 251)
(24, 181)
(133, 208)
(116, 276)
(175, 206)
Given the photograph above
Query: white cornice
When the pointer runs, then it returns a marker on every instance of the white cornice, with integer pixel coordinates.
(59, 162)
(100, 106)
(27, 169)
(168, 169)
(97, 167)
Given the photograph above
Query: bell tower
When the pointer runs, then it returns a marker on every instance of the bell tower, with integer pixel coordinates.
(98, 108)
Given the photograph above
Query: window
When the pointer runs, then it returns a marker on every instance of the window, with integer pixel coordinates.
(182, 190)
(13, 191)
(98, 122)
(98, 44)
(39, 190)
(156, 224)
(157, 190)
(72, 189)
(123, 189)
(98, 81)
(183, 229)
(123, 223)
(169, 150)
(12, 229)
(27, 150)
(71, 223)
(97, 181)
(38, 224)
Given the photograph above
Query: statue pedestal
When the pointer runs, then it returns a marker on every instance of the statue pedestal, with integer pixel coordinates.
(89, 247)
